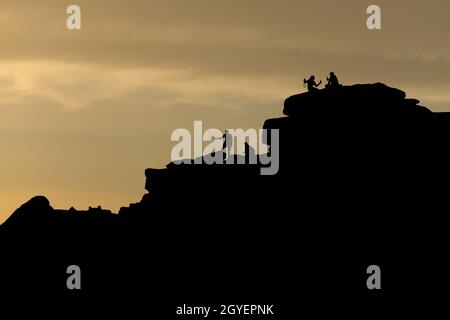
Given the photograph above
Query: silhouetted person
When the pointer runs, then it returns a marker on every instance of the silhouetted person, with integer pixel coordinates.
(311, 83)
(250, 152)
(333, 81)
(227, 142)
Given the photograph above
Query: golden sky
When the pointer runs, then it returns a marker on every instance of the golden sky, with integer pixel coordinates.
(83, 113)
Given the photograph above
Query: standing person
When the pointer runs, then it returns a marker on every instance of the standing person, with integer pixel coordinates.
(227, 142)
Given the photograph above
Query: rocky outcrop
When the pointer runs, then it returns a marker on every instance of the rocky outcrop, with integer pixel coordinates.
(360, 98)
(363, 180)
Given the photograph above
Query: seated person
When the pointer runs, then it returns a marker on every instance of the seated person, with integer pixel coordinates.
(312, 85)
(333, 81)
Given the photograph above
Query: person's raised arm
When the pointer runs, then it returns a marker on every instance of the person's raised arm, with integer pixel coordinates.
(222, 137)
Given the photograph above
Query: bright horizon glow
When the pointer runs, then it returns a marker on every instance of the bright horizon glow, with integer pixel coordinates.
(84, 113)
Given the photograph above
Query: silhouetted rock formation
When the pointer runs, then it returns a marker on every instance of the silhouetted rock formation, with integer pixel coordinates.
(361, 98)
(31, 214)
(363, 180)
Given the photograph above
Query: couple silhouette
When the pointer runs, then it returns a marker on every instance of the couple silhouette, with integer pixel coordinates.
(332, 82)
(228, 144)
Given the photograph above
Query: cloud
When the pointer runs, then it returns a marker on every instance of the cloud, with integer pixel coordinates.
(83, 135)
(84, 112)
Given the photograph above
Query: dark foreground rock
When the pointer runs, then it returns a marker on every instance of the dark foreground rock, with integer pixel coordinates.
(363, 180)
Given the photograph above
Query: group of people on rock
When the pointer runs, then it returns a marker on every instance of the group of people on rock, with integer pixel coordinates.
(332, 82)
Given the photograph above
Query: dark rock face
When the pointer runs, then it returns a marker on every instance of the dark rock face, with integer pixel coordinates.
(34, 211)
(363, 180)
